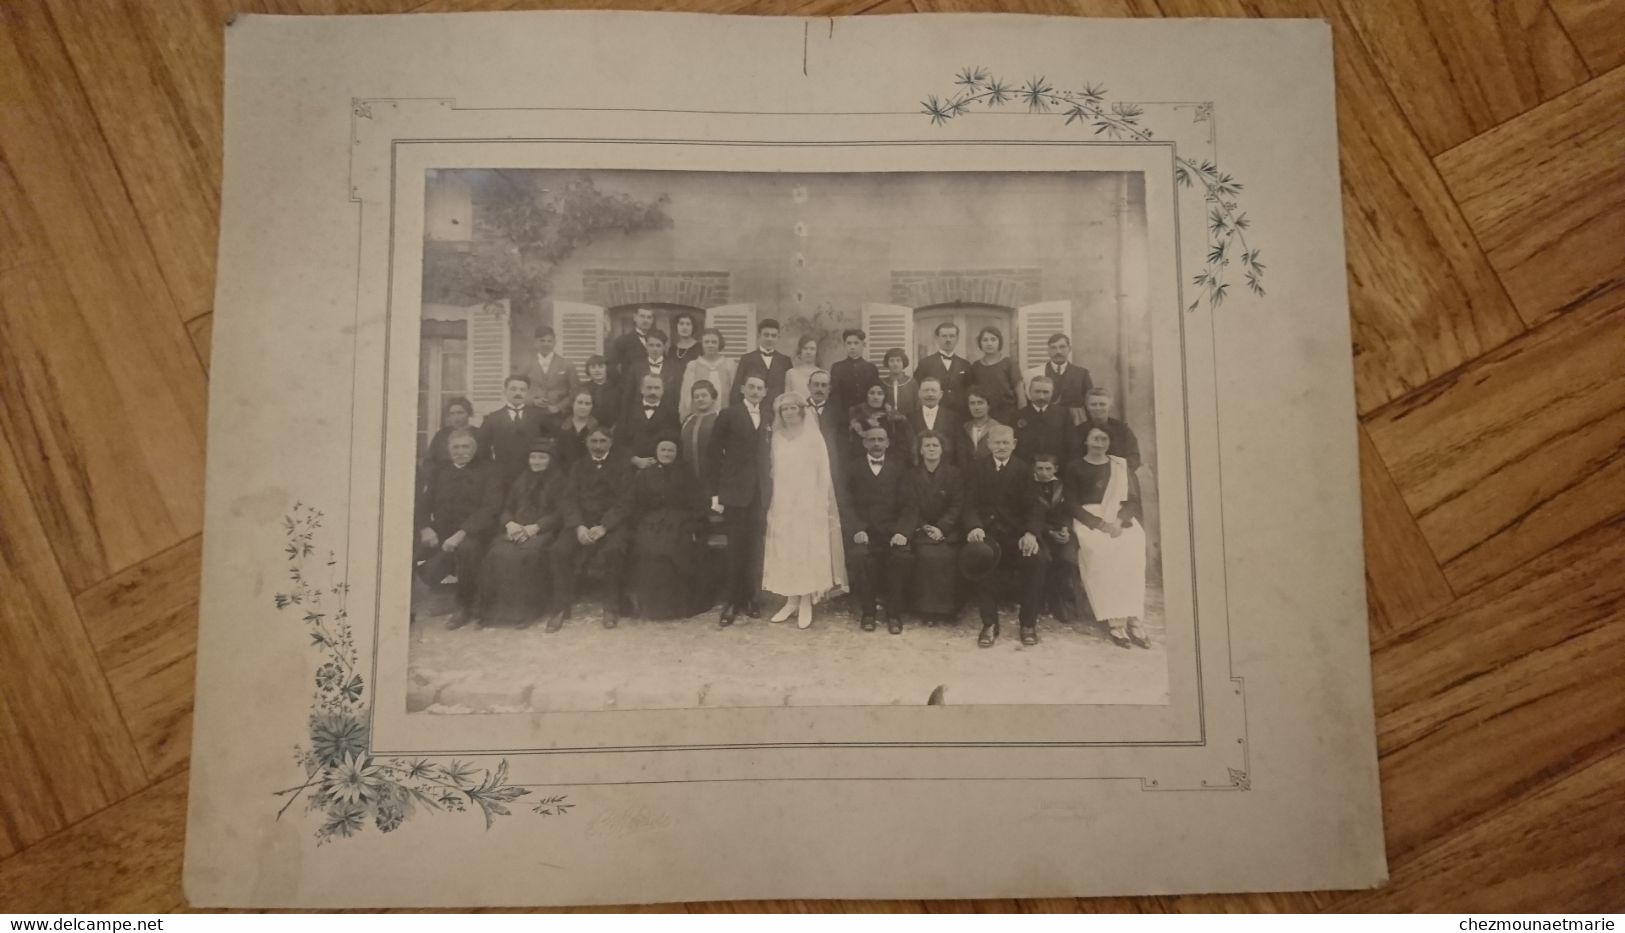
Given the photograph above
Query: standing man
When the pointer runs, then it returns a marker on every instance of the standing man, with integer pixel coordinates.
(629, 348)
(951, 369)
(594, 530)
(1071, 382)
(850, 378)
(456, 515)
(552, 377)
(877, 516)
(1043, 427)
(652, 363)
(738, 487)
(765, 361)
(934, 416)
(641, 428)
(509, 431)
(1098, 404)
(830, 420)
(1006, 525)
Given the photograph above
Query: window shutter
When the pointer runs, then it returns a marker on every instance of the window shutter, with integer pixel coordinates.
(580, 329)
(489, 359)
(1037, 324)
(888, 327)
(738, 326)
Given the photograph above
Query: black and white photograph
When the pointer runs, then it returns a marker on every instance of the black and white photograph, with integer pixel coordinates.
(692, 439)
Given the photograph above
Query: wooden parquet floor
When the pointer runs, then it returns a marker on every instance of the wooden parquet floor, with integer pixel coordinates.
(1483, 159)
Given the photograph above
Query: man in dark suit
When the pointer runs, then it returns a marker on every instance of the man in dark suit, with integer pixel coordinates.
(509, 431)
(1071, 382)
(877, 516)
(951, 369)
(594, 529)
(765, 361)
(1002, 510)
(933, 415)
(1043, 427)
(653, 363)
(850, 378)
(456, 515)
(642, 427)
(1098, 403)
(738, 487)
(830, 420)
(627, 349)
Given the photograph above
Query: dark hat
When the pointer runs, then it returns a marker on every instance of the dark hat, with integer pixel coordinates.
(542, 445)
(978, 559)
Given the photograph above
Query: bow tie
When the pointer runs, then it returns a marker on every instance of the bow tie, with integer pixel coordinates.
(874, 462)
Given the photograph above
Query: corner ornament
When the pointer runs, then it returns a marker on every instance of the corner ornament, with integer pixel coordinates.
(1226, 222)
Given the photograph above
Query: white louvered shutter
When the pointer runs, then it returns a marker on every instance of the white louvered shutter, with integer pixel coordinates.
(580, 329)
(489, 354)
(889, 327)
(738, 326)
(1036, 324)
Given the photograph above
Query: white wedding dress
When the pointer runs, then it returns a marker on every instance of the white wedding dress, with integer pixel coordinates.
(803, 552)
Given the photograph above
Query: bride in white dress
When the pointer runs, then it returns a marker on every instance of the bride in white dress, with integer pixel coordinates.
(802, 558)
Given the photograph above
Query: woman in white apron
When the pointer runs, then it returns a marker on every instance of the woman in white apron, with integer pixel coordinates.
(1105, 498)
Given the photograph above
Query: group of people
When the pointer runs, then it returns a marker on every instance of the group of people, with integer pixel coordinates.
(912, 489)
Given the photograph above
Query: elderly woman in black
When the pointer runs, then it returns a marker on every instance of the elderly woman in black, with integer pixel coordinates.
(667, 513)
(938, 489)
(513, 585)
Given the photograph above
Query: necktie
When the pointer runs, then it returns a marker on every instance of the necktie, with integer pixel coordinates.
(513, 414)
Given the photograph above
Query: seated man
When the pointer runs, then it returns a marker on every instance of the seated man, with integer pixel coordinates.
(1006, 532)
(877, 516)
(595, 510)
(456, 516)
(1061, 577)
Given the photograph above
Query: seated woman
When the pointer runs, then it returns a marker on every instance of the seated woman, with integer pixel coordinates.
(938, 490)
(513, 579)
(977, 425)
(575, 425)
(875, 412)
(667, 513)
(1105, 500)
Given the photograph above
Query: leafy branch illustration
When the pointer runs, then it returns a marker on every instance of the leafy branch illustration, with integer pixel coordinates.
(1227, 223)
(343, 780)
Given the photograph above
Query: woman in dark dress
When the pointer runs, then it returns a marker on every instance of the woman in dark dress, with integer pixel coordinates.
(603, 389)
(666, 514)
(685, 346)
(997, 377)
(938, 489)
(513, 584)
(574, 427)
(458, 411)
(873, 411)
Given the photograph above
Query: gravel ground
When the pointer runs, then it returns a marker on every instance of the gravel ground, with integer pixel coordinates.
(693, 663)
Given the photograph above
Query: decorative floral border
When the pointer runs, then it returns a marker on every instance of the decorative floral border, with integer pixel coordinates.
(342, 780)
(1120, 120)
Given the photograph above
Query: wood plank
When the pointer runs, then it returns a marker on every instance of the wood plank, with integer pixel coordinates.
(1403, 580)
(65, 750)
(1517, 451)
(158, 128)
(1457, 69)
(1049, 7)
(1502, 690)
(100, 376)
(1556, 850)
(1423, 298)
(1598, 30)
(201, 330)
(1543, 194)
(143, 624)
(126, 859)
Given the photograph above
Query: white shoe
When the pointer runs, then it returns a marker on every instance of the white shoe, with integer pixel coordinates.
(804, 613)
(786, 610)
